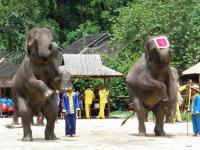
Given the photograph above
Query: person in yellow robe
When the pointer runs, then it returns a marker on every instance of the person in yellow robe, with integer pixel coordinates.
(177, 117)
(179, 102)
(103, 99)
(89, 97)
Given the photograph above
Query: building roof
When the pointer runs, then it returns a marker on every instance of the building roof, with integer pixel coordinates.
(7, 69)
(87, 65)
(192, 70)
(5, 83)
(93, 43)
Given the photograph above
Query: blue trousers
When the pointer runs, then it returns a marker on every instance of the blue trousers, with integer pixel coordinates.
(196, 123)
(70, 124)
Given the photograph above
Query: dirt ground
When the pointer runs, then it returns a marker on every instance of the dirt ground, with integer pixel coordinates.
(98, 134)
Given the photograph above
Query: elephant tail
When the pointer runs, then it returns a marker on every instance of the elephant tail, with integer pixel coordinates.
(127, 118)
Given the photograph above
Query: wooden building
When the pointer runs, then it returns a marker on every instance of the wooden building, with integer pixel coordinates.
(7, 71)
(88, 66)
(192, 73)
(91, 44)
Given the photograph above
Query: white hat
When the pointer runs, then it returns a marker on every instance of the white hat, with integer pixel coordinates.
(195, 87)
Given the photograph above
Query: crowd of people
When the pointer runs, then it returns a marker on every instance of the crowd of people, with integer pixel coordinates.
(85, 100)
(72, 104)
(6, 107)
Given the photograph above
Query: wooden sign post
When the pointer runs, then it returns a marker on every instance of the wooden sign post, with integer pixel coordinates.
(188, 100)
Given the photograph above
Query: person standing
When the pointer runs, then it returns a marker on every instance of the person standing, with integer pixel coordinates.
(57, 99)
(195, 109)
(89, 97)
(103, 99)
(70, 106)
(179, 102)
(80, 101)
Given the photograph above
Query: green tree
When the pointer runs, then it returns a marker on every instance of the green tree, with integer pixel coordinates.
(177, 19)
(83, 30)
(17, 17)
(69, 20)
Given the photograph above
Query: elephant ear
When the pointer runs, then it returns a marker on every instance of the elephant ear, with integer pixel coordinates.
(149, 47)
(31, 39)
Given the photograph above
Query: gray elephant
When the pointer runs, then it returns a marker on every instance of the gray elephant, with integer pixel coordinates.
(171, 112)
(36, 81)
(151, 84)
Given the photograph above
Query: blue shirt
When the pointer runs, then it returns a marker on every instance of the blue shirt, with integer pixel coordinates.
(66, 103)
(3, 100)
(57, 98)
(10, 103)
(195, 107)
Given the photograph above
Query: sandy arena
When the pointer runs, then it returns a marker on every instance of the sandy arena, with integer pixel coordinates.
(98, 134)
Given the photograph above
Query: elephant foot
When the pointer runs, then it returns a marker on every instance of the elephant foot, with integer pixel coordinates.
(49, 134)
(27, 138)
(14, 123)
(142, 134)
(159, 132)
(169, 121)
(50, 137)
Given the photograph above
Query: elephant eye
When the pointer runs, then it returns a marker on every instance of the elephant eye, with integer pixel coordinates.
(50, 46)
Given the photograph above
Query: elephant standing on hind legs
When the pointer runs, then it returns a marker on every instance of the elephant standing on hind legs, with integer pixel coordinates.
(36, 81)
(151, 84)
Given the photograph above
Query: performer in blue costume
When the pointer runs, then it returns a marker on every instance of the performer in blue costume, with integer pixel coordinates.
(70, 106)
(3, 100)
(195, 110)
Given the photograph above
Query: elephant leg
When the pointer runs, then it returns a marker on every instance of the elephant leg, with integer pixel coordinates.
(169, 117)
(26, 115)
(141, 114)
(50, 112)
(159, 113)
(39, 85)
(15, 116)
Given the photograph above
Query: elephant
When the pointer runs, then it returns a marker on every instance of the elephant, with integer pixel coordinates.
(151, 85)
(36, 81)
(171, 112)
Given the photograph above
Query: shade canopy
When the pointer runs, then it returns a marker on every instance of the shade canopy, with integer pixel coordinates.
(87, 65)
(192, 70)
(7, 69)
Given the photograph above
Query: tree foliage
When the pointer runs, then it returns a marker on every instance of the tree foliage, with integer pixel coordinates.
(129, 23)
(17, 17)
(69, 20)
(177, 19)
